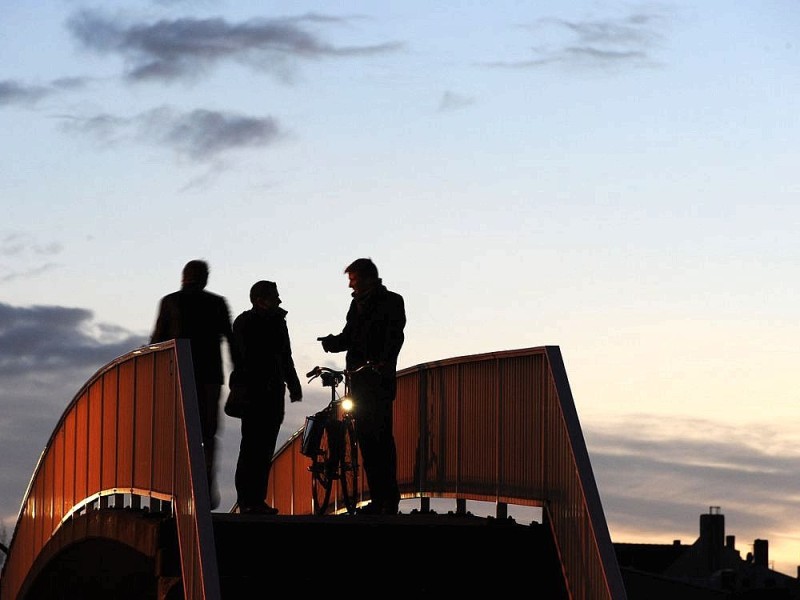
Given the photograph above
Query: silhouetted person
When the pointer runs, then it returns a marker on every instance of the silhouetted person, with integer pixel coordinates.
(373, 332)
(203, 318)
(264, 365)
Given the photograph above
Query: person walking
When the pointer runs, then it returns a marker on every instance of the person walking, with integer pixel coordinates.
(204, 318)
(373, 333)
(264, 367)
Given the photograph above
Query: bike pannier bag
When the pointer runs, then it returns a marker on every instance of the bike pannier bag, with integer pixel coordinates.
(312, 434)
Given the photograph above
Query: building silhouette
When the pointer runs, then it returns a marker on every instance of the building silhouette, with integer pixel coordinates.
(711, 567)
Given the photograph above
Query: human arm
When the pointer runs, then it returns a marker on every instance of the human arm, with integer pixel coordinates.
(342, 341)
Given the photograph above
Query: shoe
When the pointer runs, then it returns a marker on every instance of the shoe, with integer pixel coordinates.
(370, 509)
(258, 509)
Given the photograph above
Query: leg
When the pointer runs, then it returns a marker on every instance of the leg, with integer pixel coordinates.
(208, 395)
(259, 437)
(374, 425)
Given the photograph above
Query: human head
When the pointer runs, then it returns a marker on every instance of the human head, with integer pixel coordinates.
(195, 273)
(363, 274)
(264, 291)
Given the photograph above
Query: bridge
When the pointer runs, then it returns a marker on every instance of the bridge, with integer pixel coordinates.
(118, 504)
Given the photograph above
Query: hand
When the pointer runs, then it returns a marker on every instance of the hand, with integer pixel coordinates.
(296, 397)
(326, 342)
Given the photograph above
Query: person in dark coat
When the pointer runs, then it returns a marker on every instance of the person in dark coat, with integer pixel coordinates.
(374, 333)
(264, 366)
(204, 318)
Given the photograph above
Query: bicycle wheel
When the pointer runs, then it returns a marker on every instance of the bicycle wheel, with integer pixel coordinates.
(348, 479)
(321, 477)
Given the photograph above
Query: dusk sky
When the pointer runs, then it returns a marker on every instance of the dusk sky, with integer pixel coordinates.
(618, 179)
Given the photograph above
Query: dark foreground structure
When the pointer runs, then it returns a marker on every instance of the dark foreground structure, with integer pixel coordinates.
(118, 504)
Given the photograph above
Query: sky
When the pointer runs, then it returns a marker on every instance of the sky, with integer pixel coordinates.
(618, 179)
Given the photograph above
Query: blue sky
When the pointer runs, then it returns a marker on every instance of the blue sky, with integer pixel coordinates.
(617, 179)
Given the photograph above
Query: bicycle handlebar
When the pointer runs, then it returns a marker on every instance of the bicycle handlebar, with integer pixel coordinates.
(317, 371)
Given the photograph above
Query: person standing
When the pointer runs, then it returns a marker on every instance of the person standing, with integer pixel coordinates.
(374, 333)
(264, 367)
(204, 318)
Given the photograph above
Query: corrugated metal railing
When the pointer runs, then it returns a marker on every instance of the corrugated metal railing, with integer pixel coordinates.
(496, 427)
(132, 431)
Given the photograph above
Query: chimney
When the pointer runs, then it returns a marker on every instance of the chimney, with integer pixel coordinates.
(761, 553)
(712, 535)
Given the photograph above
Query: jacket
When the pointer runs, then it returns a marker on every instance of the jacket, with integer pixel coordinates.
(262, 353)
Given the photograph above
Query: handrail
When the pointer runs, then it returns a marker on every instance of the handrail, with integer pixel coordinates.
(133, 428)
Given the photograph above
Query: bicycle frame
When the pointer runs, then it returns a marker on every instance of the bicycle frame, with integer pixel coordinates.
(329, 439)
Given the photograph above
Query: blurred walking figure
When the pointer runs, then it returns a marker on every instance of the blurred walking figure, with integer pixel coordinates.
(373, 333)
(204, 318)
(264, 366)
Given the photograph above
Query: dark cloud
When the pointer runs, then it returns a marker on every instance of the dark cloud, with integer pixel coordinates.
(659, 482)
(183, 48)
(22, 94)
(198, 134)
(202, 134)
(594, 43)
(55, 338)
(47, 353)
(13, 92)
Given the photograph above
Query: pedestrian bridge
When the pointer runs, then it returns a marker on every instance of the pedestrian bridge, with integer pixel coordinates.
(120, 491)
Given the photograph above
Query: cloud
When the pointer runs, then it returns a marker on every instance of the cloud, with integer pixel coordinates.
(198, 134)
(657, 476)
(21, 256)
(14, 92)
(185, 48)
(47, 353)
(54, 339)
(21, 94)
(451, 101)
(593, 43)
(205, 133)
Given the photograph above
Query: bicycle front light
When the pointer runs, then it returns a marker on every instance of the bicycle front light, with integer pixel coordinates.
(347, 403)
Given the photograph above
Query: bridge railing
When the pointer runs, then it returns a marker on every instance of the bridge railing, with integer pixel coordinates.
(498, 427)
(132, 430)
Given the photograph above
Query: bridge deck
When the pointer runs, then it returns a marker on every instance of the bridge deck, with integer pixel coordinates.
(414, 555)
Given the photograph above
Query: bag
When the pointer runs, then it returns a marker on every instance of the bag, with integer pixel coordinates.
(237, 402)
(312, 434)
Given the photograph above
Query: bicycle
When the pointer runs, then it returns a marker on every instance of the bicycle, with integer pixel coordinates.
(330, 441)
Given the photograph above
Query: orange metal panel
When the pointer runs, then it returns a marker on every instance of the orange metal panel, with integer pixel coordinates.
(81, 411)
(38, 492)
(143, 424)
(95, 436)
(478, 456)
(56, 457)
(409, 437)
(69, 461)
(519, 467)
(164, 426)
(109, 442)
(279, 493)
(444, 392)
(125, 420)
(301, 478)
